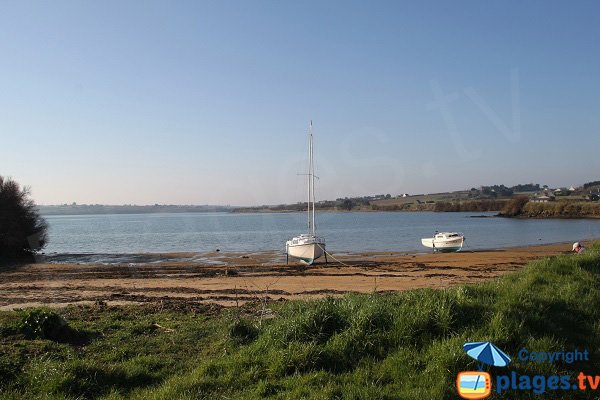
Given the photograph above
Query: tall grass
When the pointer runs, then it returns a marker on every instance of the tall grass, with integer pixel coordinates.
(377, 346)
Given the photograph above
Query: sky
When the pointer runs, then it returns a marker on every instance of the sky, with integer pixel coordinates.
(209, 102)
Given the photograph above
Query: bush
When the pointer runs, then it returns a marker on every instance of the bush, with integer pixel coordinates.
(22, 230)
(41, 324)
(347, 205)
(515, 206)
(242, 331)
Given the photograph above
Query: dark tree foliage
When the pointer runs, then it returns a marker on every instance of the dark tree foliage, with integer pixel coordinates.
(496, 190)
(347, 205)
(527, 187)
(591, 184)
(22, 230)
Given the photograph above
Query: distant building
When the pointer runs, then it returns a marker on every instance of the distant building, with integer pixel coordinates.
(404, 195)
(542, 199)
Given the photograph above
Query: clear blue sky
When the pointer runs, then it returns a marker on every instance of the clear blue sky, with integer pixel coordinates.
(209, 102)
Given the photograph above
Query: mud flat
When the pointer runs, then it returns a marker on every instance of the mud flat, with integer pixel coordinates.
(227, 279)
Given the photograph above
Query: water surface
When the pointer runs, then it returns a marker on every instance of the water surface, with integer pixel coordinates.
(344, 232)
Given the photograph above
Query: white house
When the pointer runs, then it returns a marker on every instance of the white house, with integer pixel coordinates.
(542, 199)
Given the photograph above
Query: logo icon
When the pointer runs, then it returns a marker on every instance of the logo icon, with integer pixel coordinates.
(478, 384)
(487, 353)
(474, 384)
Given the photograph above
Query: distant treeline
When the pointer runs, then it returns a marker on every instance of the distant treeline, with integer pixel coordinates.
(504, 191)
(403, 207)
(340, 204)
(591, 184)
(528, 187)
(276, 208)
(85, 209)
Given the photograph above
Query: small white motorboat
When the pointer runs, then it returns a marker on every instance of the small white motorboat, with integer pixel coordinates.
(445, 241)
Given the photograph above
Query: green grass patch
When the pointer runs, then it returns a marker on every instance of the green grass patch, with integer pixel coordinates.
(376, 346)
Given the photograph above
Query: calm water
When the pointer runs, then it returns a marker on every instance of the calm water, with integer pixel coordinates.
(368, 231)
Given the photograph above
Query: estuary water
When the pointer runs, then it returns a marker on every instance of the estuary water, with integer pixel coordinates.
(344, 232)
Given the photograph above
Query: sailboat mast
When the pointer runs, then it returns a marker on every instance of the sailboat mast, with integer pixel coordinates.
(308, 180)
(312, 179)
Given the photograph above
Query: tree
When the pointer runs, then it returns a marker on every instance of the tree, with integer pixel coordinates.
(591, 184)
(347, 204)
(527, 187)
(496, 190)
(22, 229)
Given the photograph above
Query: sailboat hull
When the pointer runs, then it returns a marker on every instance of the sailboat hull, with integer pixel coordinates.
(306, 253)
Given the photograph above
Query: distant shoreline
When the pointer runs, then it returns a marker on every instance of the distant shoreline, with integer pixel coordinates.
(97, 209)
(533, 210)
(270, 211)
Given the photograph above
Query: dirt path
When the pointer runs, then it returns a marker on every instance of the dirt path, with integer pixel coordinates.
(229, 279)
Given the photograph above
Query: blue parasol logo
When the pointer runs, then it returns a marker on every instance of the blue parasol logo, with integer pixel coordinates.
(487, 353)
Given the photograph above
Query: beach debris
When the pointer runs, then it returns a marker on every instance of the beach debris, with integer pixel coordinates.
(100, 303)
(265, 313)
(154, 325)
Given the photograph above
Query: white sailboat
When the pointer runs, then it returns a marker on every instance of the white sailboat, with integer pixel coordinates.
(308, 247)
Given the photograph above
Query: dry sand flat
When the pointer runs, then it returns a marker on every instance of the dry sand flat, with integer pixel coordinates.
(229, 279)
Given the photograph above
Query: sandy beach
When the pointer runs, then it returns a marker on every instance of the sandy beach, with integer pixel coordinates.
(186, 279)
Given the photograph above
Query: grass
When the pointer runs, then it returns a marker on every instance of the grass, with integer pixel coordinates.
(376, 346)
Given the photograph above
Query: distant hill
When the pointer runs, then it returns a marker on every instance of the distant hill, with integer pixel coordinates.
(483, 198)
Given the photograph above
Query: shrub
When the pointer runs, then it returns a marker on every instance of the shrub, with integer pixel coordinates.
(22, 230)
(347, 205)
(515, 206)
(42, 324)
(242, 331)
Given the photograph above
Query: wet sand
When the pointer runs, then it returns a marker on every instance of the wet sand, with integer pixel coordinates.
(228, 279)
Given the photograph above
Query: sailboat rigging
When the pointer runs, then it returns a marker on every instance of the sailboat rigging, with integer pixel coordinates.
(308, 247)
